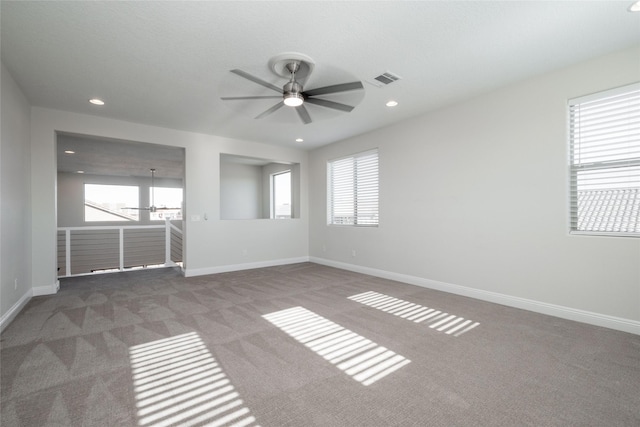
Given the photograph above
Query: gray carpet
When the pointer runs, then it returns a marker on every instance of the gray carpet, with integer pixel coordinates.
(304, 345)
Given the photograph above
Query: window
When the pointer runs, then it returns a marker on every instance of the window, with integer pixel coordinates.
(110, 203)
(352, 189)
(604, 134)
(168, 202)
(281, 195)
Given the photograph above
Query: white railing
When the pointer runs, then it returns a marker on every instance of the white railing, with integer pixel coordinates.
(83, 250)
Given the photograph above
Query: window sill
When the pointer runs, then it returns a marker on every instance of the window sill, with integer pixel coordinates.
(603, 234)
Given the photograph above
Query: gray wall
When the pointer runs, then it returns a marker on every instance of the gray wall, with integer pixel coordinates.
(15, 193)
(241, 191)
(474, 198)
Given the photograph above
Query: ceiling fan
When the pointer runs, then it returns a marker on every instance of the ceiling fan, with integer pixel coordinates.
(153, 207)
(296, 68)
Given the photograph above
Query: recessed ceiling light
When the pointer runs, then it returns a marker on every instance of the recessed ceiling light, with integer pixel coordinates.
(635, 7)
(299, 140)
(96, 101)
(391, 103)
(80, 172)
(69, 152)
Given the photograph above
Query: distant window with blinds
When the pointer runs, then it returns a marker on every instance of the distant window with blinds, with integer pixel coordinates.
(604, 134)
(352, 189)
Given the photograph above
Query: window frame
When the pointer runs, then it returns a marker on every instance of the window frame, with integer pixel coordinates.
(151, 191)
(366, 194)
(603, 169)
(272, 196)
(115, 221)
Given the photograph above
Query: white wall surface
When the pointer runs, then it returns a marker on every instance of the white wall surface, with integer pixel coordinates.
(211, 244)
(15, 221)
(474, 197)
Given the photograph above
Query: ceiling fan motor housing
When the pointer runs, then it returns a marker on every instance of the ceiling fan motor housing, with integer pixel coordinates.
(292, 88)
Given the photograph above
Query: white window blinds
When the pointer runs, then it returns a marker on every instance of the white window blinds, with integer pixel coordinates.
(604, 132)
(352, 190)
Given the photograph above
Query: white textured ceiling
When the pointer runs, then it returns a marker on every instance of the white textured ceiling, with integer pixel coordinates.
(101, 156)
(167, 63)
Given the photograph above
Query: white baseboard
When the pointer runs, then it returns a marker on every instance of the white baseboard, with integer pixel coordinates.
(46, 290)
(617, 323)
(14, 310)
(246, 266)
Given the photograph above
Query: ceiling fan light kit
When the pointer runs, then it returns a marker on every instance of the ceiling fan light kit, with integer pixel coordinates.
(293, 99)
(296, 68)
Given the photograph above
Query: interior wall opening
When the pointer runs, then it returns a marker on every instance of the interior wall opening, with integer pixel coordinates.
(256, 188)
(119, 205)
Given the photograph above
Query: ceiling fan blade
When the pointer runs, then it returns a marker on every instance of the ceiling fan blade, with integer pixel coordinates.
(168, 209)
(304, 114)
(138, 209)
(343, 87)
(257, 80)
(329, 104)
(270, 110)
(234, 98)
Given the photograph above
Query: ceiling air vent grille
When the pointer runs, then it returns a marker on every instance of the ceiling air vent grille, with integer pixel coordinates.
(384, 79)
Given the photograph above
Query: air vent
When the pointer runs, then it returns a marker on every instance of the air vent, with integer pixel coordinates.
(384, 79)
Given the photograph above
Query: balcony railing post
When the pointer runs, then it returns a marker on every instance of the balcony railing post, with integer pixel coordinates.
(121, 248)
(67, 249)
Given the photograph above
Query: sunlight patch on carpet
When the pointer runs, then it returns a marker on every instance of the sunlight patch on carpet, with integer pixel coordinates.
(440, 321)
(178, 382)
(360, 358)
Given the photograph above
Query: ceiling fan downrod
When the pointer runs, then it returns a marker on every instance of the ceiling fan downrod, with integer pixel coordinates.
(292, 90)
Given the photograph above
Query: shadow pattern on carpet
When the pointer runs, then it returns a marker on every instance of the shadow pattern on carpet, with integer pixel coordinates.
(283, 346)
